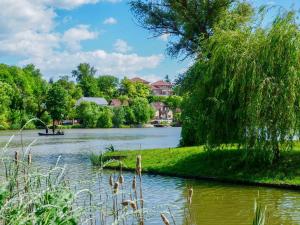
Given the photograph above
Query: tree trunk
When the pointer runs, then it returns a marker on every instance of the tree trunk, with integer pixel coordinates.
(53, 129)
(276, 153)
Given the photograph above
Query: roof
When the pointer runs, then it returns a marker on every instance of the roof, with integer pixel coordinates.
(138, 79)
(117, 102)
(158, 105)
(98, 101)
(161, 83)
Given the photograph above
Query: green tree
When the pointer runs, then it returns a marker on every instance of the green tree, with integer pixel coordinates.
(56, 102)
(247, 92)
(143, 112)
(119, 116)
(85, 76)
(88, 113)
(189, 22)
(108, 86)
(105, 118)
(134, 89)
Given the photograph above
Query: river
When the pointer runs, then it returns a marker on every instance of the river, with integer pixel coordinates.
(213, 203)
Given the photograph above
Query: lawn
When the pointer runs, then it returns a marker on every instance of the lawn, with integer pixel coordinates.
(223, 165)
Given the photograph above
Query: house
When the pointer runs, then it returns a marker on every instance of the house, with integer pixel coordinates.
(162, 111)
(117, 103)
(162, 88)
(138, 79)
(96, 100)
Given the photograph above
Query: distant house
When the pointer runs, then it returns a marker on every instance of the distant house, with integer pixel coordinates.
(162, 111)
(162, 88)
(117, 103)
(138, 79)
(96, 100)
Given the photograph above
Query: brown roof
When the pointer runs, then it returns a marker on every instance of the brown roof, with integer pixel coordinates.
(138, 79)
(161, 83)
(117, 103)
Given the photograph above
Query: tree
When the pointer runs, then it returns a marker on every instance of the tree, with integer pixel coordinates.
(108, 86)
(85, 76)
(247, 92)
(134, 89)
(167, 79)
(189, 22)
(119, 116)
(105, 118)
(143, 112)
(56, 103)
(88, 113)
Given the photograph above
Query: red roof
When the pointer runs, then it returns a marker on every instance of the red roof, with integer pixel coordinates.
(138, 79)
(161, 83)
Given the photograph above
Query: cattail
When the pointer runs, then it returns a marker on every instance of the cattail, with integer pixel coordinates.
(134, 183)
(139, 165)
(16, 157)
(111, 180)
(116, 187)
(29, 158)
(121, 179)
(129, 203)
(126, 203)
(191, 191)
(132, 205)
(164, 219)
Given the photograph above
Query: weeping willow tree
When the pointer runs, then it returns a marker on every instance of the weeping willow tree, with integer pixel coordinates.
(247, 91)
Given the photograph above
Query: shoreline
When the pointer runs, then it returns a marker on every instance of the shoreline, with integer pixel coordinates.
(220, 166)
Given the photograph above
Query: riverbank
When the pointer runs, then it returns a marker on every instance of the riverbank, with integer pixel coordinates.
(223, 165)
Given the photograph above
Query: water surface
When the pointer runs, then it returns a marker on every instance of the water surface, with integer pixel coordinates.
(213, 203)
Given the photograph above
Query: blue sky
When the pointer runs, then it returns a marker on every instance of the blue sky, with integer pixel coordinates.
(56, 35)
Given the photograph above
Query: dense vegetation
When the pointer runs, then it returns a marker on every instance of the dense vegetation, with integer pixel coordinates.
(24, 94)
(243, 86)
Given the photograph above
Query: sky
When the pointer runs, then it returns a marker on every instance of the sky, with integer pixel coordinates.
(57, 35)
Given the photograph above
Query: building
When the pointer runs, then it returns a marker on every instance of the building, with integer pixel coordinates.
(96, 100)
(117, 103)
(162, 112)
(162, 88)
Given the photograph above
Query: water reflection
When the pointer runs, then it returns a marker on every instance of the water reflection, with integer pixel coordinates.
(213, 203)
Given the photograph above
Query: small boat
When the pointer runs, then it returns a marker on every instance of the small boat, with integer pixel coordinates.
(51, 134)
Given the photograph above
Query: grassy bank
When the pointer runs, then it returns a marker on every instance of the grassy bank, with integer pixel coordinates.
(223, 165)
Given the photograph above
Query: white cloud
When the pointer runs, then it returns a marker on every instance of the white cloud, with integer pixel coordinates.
(106, 63)
(164, 37)
(75, 35)
(122, 46)
(68, 4)
(27, 32)
(24, 15)
(110, 21)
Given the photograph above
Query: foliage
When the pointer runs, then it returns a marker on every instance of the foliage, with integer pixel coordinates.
(247, 92)
(108, 85)
(85, 76)
(22, 94)
(134, 89)
(119, 116)
(188, 22)
(105, 118)
(56, 102)
(143, 112)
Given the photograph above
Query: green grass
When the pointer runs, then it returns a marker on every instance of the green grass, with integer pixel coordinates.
(227, 165)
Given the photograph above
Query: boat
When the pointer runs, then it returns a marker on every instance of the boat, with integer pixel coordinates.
(51, 134)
